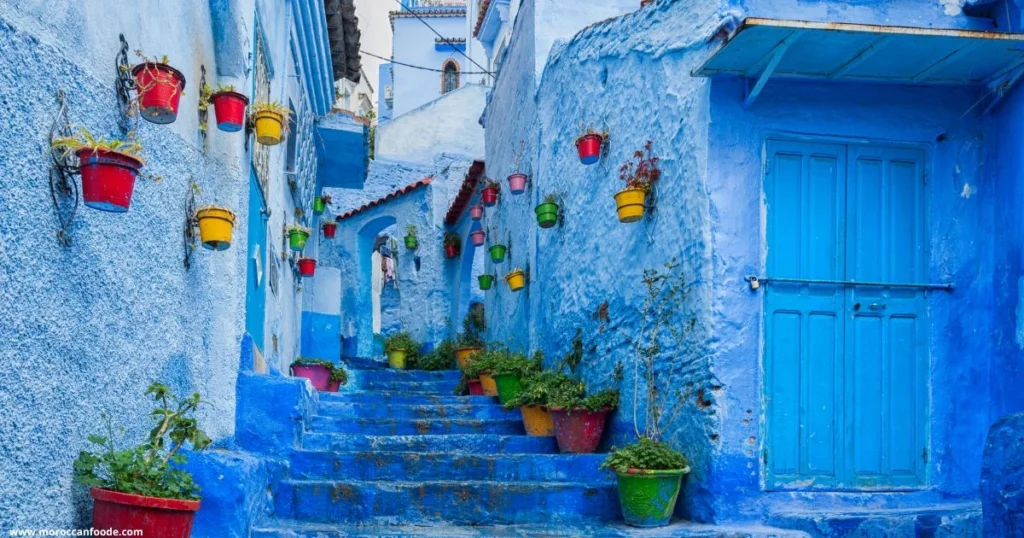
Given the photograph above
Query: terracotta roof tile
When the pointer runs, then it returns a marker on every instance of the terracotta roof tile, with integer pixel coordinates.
(462, 199)
(484, 4)
(400, 192)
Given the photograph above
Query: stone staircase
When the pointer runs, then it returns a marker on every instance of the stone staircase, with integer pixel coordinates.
(400, 455)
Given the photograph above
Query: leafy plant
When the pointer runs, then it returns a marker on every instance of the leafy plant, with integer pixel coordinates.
(551, 199)
(491, 184)
(223, 88)
(339, 375)
(452, 239)
(297, 228)
(643, 173)
(646, 454)
(152, 468)
(326, 199)
(473, 327)
(270, 106)
(401, 341)
(338, 372)
(575, 400)
(410, 231)
(591, 130)
(83, 139)
(441, 357)
(539, 387)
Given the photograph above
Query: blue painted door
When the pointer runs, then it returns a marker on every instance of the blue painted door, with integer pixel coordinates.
(845, 365)
(256, 278)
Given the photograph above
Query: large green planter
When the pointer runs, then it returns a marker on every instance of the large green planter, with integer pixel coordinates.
(498, 253)
(297, 239)
(649, 497)
(509, 386)
(411, 242)
(486, 281)
(319, 205)
(547, 214)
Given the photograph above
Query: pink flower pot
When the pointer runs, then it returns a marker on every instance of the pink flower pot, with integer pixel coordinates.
(476, 212)
(517, 183)
(317, 374)
(477, 237)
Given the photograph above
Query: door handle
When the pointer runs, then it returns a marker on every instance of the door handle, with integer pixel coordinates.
(877, 306)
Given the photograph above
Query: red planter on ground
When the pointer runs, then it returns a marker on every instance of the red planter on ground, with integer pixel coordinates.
(317, 374)
(489, 196)
(333, 386)
(578, 431)
(589, 148)
(108, 179)
(230, 109)
(307, 266)
(330, 228)
(475, 388)
(159, 86)
(451, 251)
(166, 518)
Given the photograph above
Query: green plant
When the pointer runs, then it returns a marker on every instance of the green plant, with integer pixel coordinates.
(271, 106)
(574, 399)
(473, 327)
(551, 199)
(491, 184)
(338, 372)
(401, 341)
(506, 362)
(83, 139)
(152, 468)
(440, 358)
(452, 239)
(339, 375)
(410, 231)
(297, 228)
(539, 387)
(646, 454)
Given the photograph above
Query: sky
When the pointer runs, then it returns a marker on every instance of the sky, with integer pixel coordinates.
(376, 34)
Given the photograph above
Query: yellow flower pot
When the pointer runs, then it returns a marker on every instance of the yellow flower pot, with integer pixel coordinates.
(516, 280)
(396, 359)
(488, 384)
(537, 421)
(631, 204)
(215, 227)
(463, 355)
(268, 127)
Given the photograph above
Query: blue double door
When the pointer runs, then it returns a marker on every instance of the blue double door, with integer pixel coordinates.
(846, 365)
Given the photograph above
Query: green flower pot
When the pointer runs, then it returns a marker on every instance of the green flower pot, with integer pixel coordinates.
(319, 205)
(649, 497)
(509, 386)
(411, 242)
(547, 215)
(486, 281)
(498, 253)
(297, 239)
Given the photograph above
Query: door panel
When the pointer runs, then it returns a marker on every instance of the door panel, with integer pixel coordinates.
(256, 263)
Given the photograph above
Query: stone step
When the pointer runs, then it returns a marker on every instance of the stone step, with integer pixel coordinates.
(681, 529)
(390, 374)
(467, 411)
(463, 503)
(455, 444)
(440, 388)
(404, 398)
(418, 466)
(960, 519)
(365, 362)
(407, 426)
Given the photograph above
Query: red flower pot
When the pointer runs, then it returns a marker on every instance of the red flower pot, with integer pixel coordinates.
(330, 228)
(108, 179)
(451, 251)
(490, 196)
(517, 183)
(589, 147)
(475, 388)
(317, 374)
(578, 431)
(159, 86)
(230, 109)
(332, 386)
(152, 516)
(477, 237)
(476, 212)
(307, 266)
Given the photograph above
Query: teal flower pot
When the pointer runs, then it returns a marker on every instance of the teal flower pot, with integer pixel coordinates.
(649, 497)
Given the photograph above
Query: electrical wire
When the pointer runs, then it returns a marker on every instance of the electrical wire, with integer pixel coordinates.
(420, 66)
(443, 38)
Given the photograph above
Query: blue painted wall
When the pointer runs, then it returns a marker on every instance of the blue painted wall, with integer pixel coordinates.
(413, 44)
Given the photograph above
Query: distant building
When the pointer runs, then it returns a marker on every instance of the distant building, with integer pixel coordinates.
(355, 97)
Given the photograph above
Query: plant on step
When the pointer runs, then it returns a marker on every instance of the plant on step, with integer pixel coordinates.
(339, 375)
(147, 479)
(411, 239)
(508, 369)
(400, 346)
(532, 400)
(452, 244)
(108, 168)
(473, 327)
(441, 357)
(269, 118)
(640, 175)
(324, 375)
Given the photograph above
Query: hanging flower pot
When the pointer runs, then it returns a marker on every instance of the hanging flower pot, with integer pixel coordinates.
(476, 212)
(330, 228)
(411, 239)
(475, 388)
(516, 280)
(297, 236)
(578, 431)
(630, 203)
(517, 183)
(589, 146)
(477, 237)
(451, 251)
(150, 516)
(486, 281)
(497, 253)
(639, 177)
(215, 227)
(320, 204)
(488, 383)
(160, 87)
(537, 421)
(509, 386)
(452, 244)
(489, 194)
(307, 266)
(229, 107)
(108, 178)
(547, 212)
(268, 119)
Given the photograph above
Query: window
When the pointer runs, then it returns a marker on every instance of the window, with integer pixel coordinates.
(449, 76)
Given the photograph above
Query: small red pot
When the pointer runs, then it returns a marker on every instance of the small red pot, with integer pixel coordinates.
(159, 86)
(475, 388)
(451, 251)
(317, 374)
(330, 228)
(108, 179)
(153, 516)
(589, 147)
(490, 196)
(476, 212)
(307, 266)
(578, 431)
(517, 183)
(332, 386)
(230, 109)
(477, 237)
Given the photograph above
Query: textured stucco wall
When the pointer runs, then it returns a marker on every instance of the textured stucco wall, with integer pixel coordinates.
(1002, 478)
(451, 125)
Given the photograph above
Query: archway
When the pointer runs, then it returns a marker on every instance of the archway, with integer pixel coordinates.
(367, 305)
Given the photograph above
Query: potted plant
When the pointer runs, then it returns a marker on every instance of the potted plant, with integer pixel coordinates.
(229, 107)
(108, 168)
(509, 370)
(590, 144)
(532, 401)
(144, 489)
(477, 236)
(486, 281)
(439, 358)
(547, 212)
(516, 279)
(650, 472)
(399, 346)
(482, 367)
(297, 236)
(497, 251)
(517, 181)
(338, 378)
(639, 176)
(489, 194)
(411, 240)
(160, 87)
(476, 212)
(320, 373)
(579, 420)
(330, 228)
(215, 226)
(269, 121)
(307, 266)
(470, 340)
(452, 244)
(320, 204)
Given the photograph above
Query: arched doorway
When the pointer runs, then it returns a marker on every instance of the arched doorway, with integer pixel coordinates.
(368, 265)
